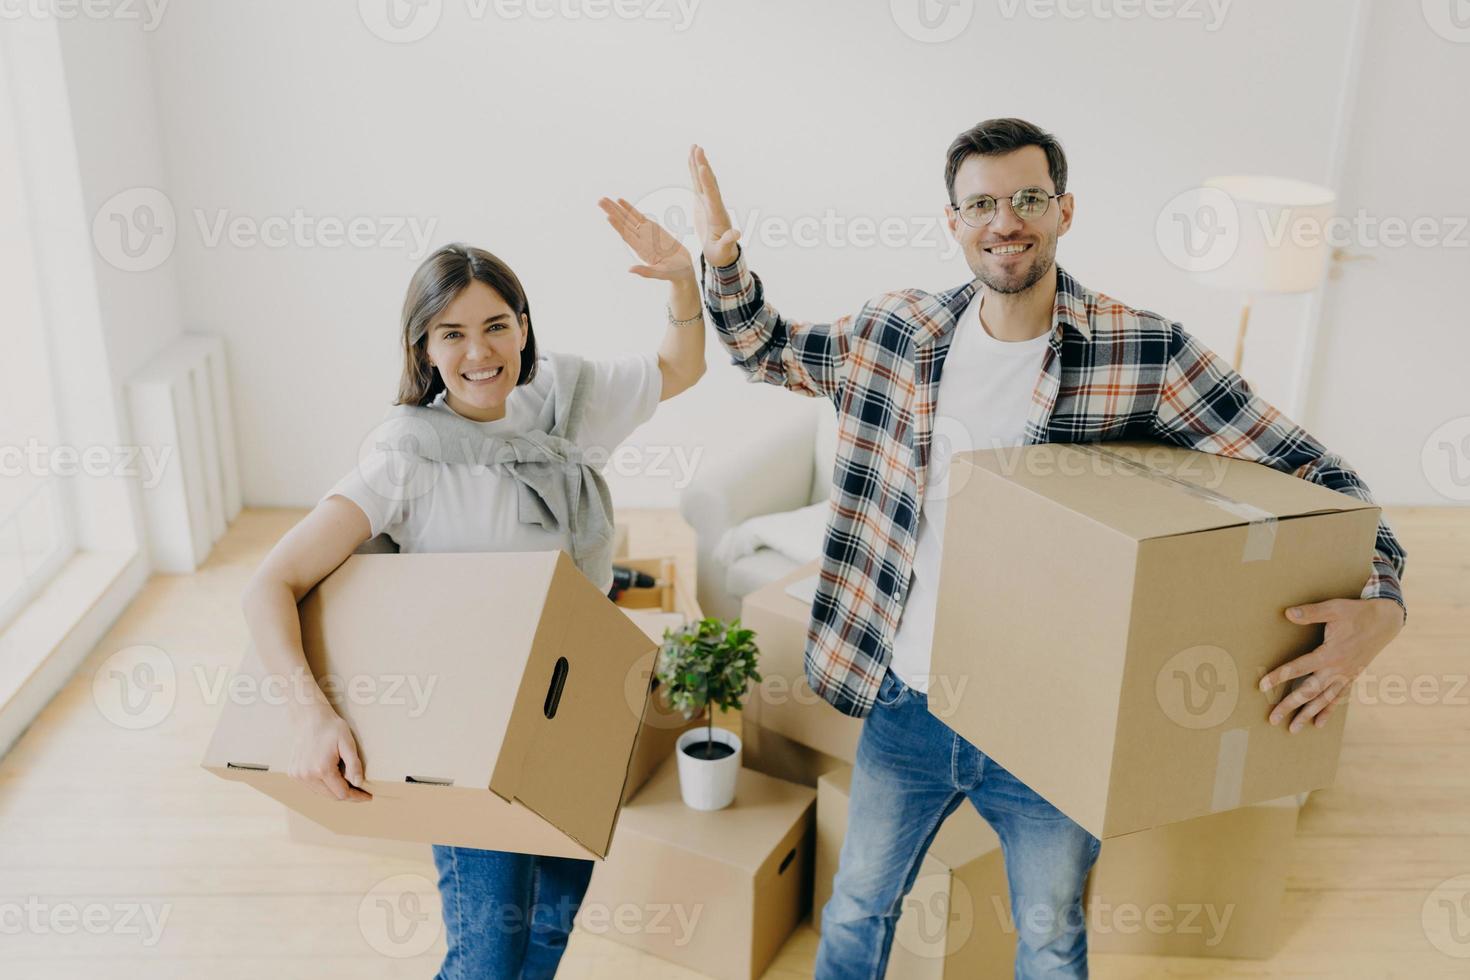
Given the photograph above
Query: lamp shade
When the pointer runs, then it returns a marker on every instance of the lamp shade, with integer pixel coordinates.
(1282, 235)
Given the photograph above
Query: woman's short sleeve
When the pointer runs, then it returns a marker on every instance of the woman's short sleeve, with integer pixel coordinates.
(625, 393)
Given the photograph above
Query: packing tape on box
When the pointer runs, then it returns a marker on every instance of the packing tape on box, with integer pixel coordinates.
(1260, 534)
(1230, 769)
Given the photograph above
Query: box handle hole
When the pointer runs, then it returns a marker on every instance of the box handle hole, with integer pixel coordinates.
(558, 682)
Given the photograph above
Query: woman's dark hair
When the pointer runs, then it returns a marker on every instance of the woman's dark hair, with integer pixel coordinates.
(995, 137)
(442, 277)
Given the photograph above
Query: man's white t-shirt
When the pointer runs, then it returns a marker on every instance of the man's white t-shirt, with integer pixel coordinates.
(984, 398)
(470, 507)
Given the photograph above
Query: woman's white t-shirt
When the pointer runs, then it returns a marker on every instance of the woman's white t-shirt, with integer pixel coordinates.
(473, 507)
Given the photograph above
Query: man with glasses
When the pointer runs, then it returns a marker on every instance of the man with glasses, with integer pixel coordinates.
(1022, 354)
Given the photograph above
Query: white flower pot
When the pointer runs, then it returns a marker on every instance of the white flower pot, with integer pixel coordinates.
(708, 784)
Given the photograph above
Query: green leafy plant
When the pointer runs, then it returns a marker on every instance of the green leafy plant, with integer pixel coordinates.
(705, 665)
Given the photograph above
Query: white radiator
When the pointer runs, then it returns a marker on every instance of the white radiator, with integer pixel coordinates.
(180, 405)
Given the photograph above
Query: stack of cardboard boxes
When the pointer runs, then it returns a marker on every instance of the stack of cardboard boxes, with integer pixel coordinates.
(1105, 614)
(517, 710)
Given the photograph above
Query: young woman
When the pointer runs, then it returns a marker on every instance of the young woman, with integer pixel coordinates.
(469, 350)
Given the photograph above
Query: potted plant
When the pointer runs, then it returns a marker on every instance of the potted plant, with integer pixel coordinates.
(704, 665)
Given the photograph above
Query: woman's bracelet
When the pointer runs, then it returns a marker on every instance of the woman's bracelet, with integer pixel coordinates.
(696, 318)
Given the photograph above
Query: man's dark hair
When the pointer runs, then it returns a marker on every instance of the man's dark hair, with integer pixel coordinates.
(995, 137)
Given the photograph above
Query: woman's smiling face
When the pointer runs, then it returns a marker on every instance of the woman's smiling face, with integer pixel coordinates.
(476, 344)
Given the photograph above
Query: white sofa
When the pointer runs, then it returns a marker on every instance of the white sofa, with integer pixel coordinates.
(790, 468)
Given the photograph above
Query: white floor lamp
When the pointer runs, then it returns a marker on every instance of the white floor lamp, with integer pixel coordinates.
(1282, 243)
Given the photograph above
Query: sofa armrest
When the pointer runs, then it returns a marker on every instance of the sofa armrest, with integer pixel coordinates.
(765, 477)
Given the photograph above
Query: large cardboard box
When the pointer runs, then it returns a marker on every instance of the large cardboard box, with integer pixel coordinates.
(784, 702)
(956, 920)
(1106, 612)
(1207, 887)
(486, 692)
(715, 891)
(1211, 886)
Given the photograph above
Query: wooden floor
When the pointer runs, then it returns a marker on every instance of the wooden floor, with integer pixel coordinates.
(104, 831)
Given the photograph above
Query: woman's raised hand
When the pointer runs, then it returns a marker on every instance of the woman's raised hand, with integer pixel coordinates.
(710, 217)
(662, 255)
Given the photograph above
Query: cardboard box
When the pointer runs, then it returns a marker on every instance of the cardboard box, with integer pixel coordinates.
(1106, 612)
(653, 611)
(956, 920)
(486, 692)
(1207, 887)
(717, 891)
(776, 755)
(305, 831)
(784, 702)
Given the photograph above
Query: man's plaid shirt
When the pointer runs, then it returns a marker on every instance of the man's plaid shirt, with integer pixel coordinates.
(1110, 373)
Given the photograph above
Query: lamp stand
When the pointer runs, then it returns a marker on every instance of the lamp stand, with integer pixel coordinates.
(1245, 316)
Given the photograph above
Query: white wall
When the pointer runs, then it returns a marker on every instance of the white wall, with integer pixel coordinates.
(504, 133)
(1391, 391)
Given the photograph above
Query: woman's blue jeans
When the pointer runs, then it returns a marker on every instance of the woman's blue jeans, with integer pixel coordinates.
(913, 771)
(507, 916)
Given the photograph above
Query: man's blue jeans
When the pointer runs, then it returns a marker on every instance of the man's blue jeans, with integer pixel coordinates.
(913, 771)
(506, 915)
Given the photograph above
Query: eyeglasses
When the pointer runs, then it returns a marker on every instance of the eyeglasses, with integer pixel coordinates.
(1027, 203)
